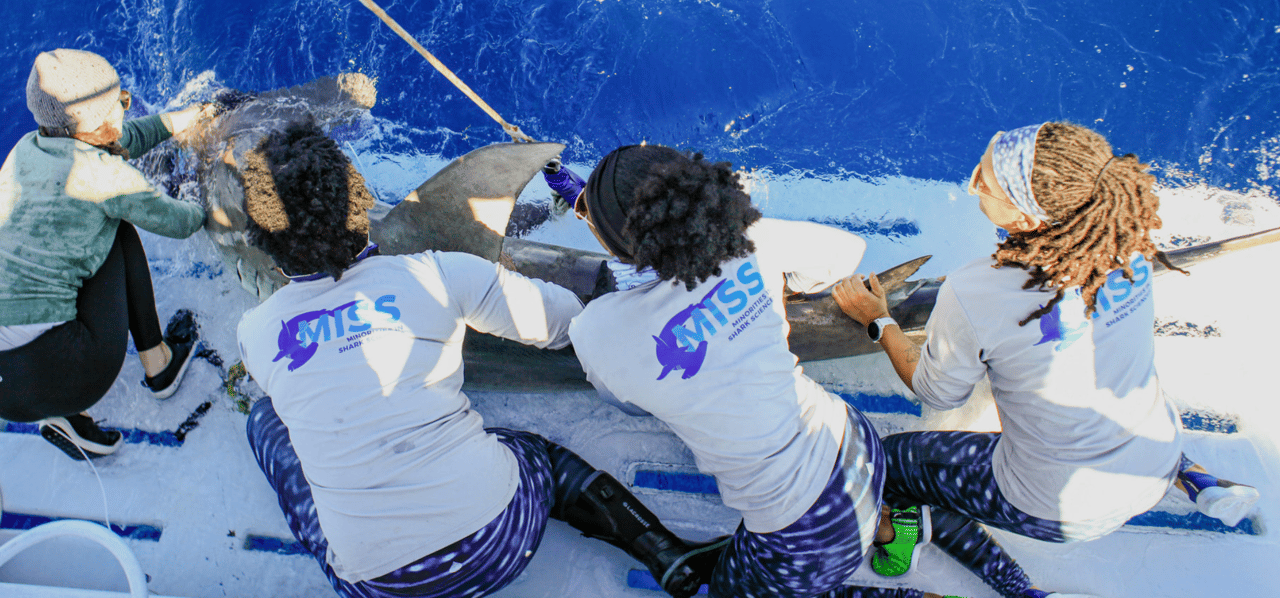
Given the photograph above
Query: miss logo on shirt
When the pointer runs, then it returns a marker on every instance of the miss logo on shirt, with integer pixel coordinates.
(1116, 299)
(302, 335)
(682, 344)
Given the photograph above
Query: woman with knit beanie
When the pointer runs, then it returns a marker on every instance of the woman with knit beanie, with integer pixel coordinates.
(1061, 320)
(74, 280)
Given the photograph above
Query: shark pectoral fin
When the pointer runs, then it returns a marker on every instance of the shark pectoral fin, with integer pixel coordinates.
(465, 206)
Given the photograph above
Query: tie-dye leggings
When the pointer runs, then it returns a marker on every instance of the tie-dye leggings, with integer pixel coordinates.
(476, 565)
(951, 472)
(815, 555)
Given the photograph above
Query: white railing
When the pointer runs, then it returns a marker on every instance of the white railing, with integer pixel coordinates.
(79, 529)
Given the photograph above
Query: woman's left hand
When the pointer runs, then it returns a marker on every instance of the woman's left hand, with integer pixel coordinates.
(182, 120)
(859, 303)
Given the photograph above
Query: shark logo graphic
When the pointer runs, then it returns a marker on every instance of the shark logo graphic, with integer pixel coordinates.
(290, 342)
(1052, 329)
(679, 353)
(301, 336)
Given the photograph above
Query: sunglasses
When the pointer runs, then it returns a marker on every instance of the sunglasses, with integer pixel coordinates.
(126, 99)
(580, 206)
(975, 179)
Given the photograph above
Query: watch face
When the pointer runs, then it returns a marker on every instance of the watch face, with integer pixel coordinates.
(876, 328)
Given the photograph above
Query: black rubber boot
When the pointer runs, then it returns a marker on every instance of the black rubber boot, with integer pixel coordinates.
(603, 508)
(607, 510)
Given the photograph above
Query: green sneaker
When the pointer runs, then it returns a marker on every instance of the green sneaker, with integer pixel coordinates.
(911, 528)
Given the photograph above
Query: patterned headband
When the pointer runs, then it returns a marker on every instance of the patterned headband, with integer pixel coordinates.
(1013, 158)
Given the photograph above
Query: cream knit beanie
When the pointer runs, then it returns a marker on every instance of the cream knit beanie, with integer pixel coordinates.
(72, 91)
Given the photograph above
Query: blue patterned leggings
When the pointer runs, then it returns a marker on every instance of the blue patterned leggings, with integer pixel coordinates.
(494, 555)
(951, 472)
(813, 556)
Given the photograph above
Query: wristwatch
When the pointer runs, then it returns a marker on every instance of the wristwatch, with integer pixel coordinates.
(876, 328)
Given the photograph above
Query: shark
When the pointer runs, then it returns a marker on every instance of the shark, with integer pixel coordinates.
(468, 205)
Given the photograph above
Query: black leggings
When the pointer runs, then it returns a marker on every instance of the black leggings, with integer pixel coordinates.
(72, 366)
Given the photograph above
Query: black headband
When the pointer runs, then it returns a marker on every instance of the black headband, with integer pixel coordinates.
(606, 210)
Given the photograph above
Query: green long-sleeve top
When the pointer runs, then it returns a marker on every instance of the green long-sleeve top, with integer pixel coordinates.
(60, 202)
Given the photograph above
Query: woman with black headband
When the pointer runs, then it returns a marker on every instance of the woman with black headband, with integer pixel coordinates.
(697, 336)
(1061, 320)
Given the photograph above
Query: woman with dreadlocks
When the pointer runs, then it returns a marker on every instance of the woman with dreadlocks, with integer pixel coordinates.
(1060, 319)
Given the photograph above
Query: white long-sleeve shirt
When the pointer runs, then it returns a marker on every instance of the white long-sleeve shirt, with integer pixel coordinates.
(713, 364)
(1087, 432)
(366, 373)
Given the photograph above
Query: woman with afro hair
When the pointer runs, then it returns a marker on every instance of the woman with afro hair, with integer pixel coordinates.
(697, 337)
(1060, 319)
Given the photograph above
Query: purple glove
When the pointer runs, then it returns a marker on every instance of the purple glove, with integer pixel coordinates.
(563, 181)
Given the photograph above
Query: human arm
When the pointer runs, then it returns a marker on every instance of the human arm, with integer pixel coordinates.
(495, 300)
(180, 121)
(865, 305)
(155, 212)
(140, 135)
(944, 371)
(122, 191)
(812, 256)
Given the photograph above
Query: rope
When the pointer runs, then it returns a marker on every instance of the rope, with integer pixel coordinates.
(512, 130)
(106, 511)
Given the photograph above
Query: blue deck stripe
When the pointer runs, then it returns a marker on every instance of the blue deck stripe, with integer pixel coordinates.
(1195, 522)
(24, 522)
(868, 403)
(274, 545)
(131, 436)
(692, 483)
(643, 580)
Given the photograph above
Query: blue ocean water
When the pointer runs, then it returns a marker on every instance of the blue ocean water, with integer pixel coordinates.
(844, 88)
